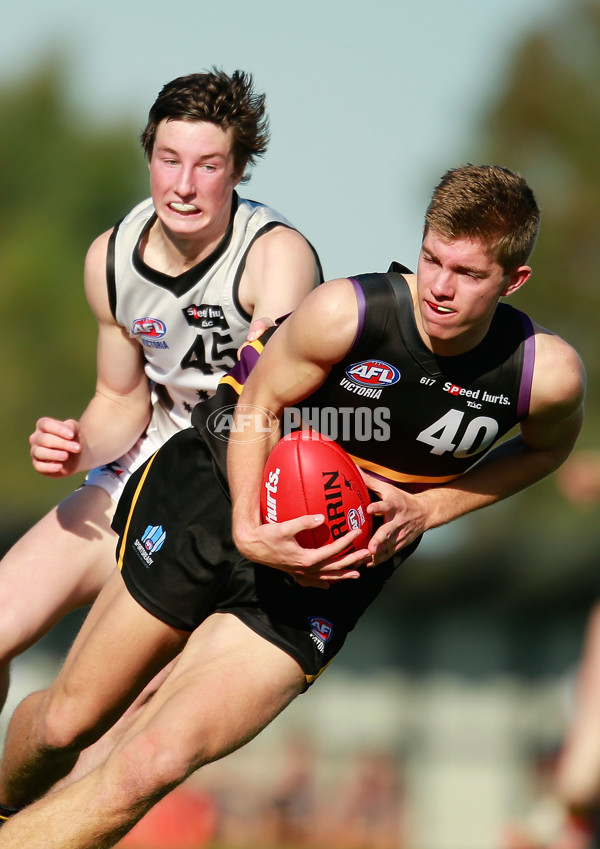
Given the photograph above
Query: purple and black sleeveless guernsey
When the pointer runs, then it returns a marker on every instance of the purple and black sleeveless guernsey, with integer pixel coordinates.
(404, 414)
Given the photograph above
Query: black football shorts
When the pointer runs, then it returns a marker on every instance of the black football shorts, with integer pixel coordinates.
(179, 562)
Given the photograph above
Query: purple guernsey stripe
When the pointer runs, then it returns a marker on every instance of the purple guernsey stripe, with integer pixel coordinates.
(360, 297)
(249, 356)
(245, 364)
(528, 363)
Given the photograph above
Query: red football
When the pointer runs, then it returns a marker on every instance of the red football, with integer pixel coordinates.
(308, 473)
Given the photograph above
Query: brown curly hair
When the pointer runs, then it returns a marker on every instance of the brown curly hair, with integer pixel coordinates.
(212, 96)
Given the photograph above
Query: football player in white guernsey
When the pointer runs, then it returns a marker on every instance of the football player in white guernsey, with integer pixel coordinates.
(174, 289)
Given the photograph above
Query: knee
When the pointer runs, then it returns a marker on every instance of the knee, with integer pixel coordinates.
(135, 776)
(147, 767)
(63, 723)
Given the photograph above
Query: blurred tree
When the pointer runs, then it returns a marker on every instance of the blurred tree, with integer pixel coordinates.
(543, 121)
(63, 182)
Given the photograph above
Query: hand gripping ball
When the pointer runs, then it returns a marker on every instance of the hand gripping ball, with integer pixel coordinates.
(308, 473)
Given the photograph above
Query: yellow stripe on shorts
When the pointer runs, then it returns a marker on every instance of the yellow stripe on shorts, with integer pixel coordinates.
(131, 509)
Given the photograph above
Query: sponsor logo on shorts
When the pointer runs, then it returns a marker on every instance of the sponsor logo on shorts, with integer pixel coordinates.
(321, 631)
(250, 419)
(151, 542)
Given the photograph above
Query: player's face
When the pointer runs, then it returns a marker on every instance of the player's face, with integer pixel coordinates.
(192, 179)
(459, 284)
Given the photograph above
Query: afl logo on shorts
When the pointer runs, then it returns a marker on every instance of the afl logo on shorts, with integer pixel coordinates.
(321, 628)
(374, 373)
(151, 328)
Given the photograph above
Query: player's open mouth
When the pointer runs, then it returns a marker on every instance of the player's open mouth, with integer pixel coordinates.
(439, 309)
(185, 208)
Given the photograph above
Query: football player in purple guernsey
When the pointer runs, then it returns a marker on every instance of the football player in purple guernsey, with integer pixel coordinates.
(252, 616)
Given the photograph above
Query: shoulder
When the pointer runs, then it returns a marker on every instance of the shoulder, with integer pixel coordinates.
(330, 298)
(559, 375)
(278, 241)
(95, 260)
(259, 213)
(327, 318)
(274, 232)
(142, 211)
(96, 286)
(98, 250)
(316, 335)
(281, 267)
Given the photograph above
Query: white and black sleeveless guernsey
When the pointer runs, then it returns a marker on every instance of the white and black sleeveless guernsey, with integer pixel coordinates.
(403, 413)
(189, 326)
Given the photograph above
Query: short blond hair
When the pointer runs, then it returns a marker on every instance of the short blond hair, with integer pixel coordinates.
(488, 203)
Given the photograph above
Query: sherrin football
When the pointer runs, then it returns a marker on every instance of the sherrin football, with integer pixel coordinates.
(308, 473)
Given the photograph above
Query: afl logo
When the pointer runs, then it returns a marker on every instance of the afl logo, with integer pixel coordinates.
(151, 328)
(321, 628)
(373, 373)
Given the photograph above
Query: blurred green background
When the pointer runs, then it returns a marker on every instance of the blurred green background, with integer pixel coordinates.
(65, 179)
(491, 611)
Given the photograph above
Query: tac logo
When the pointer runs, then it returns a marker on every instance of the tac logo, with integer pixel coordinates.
(258, 421)
(150, 328)
(153, 538)
(321, 628)
(373, 373)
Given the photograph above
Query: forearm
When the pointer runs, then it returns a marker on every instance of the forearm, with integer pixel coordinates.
(109, 427)
(509, 469)
(246, 458)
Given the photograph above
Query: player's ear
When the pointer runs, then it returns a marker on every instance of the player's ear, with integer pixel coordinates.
(516, 279)
(239, 169)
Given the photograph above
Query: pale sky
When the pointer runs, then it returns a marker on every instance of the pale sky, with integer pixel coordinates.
(369, 101)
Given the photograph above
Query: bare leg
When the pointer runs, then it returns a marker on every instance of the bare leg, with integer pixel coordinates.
(565, 818)
(94, 755)
(57, 566)
(225, 687)
(97, 683)
(578, 774)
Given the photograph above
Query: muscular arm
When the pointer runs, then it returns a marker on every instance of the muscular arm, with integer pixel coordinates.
(120, 408)
(295, 363)
(280, 271)
(546, 438)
